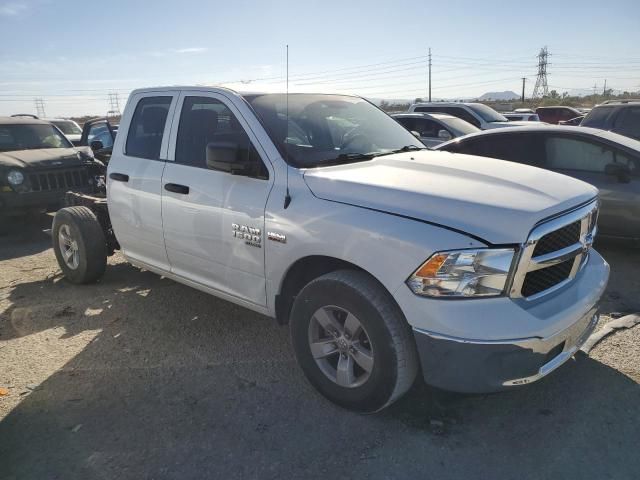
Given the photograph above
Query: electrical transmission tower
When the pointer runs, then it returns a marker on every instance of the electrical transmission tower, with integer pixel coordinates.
(39, 107)
(542, 87)
(114, 105)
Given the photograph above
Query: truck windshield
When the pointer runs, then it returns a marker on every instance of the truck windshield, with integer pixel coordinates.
(329, 129)
(488, 114)
(30, 137)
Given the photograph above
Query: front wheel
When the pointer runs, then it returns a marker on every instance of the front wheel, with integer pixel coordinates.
(352, 341)
(79, 244)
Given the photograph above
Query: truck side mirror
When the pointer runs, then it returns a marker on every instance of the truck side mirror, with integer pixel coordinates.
(444, 135)
(618, 170)
(222, 156)
(96, 145)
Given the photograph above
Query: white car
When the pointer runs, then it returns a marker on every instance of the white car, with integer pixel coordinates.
(385, 258)
(434, 128)
(521, 117)
(69, 128)
(477, 114)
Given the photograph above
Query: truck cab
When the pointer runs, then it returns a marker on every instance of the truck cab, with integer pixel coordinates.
(324, 213)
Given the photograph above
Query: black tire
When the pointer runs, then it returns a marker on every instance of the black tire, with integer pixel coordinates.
(395, 360)
(91, 244)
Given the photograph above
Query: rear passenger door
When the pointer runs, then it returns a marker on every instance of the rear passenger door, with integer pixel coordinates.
(134, 177)
(214, 220)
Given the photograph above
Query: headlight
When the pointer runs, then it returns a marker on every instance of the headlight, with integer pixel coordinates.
(463, 273)
(15, 178)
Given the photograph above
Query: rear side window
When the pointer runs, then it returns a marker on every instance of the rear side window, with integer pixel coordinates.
(628, 122)
(520, 148)
(597, 118)
(572, 154)
(205, 120)
(463, 114)
(407, 122)
(147, 128)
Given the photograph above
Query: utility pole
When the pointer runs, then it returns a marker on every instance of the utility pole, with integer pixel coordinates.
(604, 90)
(542, 87)
(595, 88)
(429, 74)
(39, 107)
(524, 80)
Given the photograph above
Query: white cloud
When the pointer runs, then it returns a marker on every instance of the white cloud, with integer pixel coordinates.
(189, 50)
(11, 9)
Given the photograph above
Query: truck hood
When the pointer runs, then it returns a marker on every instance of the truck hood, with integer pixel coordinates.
(494, 200)
(43, 157)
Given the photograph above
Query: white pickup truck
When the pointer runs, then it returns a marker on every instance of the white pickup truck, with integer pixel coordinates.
(321, 211)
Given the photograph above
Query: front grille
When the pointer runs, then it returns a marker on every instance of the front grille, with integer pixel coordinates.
(47, 181)
(558, 239)
(543, 279)
(555, 252)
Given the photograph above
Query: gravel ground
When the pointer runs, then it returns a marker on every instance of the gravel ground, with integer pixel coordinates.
(140, 377)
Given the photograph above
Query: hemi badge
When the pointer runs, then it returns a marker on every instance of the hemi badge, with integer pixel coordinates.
(277, 237)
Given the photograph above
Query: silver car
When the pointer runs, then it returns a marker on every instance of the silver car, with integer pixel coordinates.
(604, 159)
(434, 128)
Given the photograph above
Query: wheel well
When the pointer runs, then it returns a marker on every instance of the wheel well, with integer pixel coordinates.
(301, 273)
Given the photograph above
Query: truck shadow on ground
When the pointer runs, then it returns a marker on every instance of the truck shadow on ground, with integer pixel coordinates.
(177, 384)
(22, 236)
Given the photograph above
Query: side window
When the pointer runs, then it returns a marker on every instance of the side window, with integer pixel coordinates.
(427, 128)
(570, 154)
(628, 122)
(100, 132)
(205, 120)
(520, 148)
(407, 122)
(427, 109)
(464, 115)
(147, 128)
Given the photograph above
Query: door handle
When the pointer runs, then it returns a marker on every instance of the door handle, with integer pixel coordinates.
(176, 188)
(120, 177)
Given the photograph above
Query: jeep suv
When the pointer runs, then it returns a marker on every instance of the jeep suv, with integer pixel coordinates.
(620, 116)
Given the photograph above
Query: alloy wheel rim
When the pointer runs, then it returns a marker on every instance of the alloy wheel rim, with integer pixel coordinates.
(68, 247)
(341, 346)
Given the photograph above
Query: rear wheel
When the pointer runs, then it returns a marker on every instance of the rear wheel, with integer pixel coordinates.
(79, 244)
(352, 341)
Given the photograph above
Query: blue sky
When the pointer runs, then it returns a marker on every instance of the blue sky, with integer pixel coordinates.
(74, 53)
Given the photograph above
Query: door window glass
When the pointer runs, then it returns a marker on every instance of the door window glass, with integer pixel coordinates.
(100, 132)
(573, 154)
(205, 120)
(628, 122)
(147, 127)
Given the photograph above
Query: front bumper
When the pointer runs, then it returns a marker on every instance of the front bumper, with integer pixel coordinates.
(485, 345)
(475, 367)
(13, 203)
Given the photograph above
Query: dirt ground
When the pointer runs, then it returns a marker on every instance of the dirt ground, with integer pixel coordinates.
(140, 377)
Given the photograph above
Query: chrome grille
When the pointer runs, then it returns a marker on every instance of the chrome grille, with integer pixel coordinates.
(52, 180)
(555, 252)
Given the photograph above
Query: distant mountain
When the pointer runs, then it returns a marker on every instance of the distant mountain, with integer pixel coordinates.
(508, 95)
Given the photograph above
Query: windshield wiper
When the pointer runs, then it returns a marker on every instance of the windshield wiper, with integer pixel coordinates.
(347, 158)
(406, 148)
